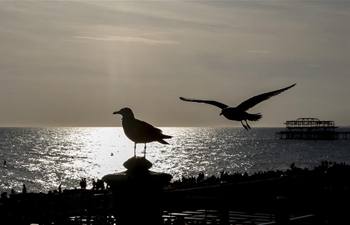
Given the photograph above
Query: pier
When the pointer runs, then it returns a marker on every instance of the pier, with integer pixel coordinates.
(311, 129)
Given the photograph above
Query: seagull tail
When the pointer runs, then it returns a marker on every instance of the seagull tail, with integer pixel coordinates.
(254, 117)
(164, 137)
(163, 142)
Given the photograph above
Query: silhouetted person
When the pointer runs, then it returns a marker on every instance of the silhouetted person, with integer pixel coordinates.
(100, 185)
(59, 189)
(83, 183)
(4, 195)
(24, 189)
(200, 177)
(93, 184)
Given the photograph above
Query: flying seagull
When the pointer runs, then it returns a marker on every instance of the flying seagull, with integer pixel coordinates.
(139, 131)
(239, 113)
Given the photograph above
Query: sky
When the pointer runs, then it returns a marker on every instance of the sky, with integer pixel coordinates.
(73, 63)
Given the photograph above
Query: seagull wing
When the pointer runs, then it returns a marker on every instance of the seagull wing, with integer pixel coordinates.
(259, 98)
(210, 102)
(146, 127)
(149, 132)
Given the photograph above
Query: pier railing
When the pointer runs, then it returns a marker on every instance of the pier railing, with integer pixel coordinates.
(305, 194)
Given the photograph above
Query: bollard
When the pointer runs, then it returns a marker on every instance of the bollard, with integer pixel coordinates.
(282, 210)
(137, 193)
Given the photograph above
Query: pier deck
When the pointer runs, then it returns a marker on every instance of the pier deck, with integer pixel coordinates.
(311, 129)
(312, 135)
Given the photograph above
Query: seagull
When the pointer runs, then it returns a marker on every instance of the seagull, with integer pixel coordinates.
(139, 131)
(239, 113)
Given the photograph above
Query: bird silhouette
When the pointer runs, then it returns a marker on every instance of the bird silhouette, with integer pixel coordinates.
(139, 131)
(239, 113)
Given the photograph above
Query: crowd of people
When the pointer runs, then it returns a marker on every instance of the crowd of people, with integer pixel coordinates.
(98, 184)
(334, 183)
(335, 171)
(332, 170)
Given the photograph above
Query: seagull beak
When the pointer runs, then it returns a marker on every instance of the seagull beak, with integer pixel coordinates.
(220, 114)
(116, 112)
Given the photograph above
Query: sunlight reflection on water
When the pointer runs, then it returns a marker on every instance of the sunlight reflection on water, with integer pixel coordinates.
(43, 158)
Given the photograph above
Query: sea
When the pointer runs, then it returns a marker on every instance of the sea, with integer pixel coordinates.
(44, 158)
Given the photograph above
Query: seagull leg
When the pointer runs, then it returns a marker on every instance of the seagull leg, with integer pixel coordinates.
(244, 125)
(247, 124)
(144, 151)
(135, 149)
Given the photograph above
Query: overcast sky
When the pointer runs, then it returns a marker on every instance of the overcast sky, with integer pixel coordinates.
(73, 63)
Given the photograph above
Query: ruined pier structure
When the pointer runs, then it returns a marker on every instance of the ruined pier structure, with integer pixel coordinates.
(311, 129)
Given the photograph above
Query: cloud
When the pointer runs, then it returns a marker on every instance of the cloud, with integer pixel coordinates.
(128, 39)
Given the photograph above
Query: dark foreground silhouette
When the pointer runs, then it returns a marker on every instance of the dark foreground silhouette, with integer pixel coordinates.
(239, 113)
(322, 192)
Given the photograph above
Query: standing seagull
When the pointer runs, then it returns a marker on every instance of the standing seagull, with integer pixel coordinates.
(239, 113)
(139, 131)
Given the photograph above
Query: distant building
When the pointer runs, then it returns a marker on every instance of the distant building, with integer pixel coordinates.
(311, 129)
